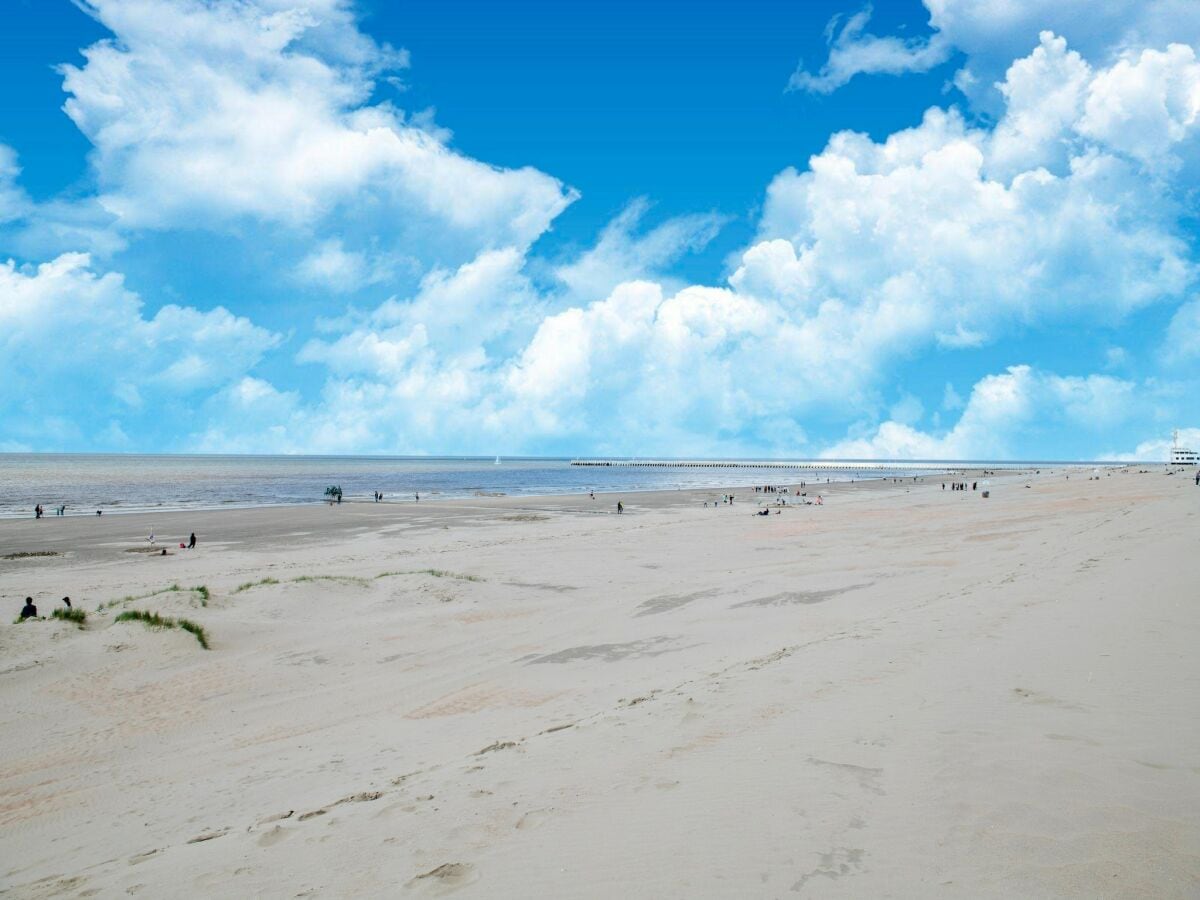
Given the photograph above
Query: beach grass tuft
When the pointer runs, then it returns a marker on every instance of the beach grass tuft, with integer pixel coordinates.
(155, 621)
(340, 579)
(245, 586)
(355, 579)
(196, 630)
(202, 590)
(434, 573)
(76, 615)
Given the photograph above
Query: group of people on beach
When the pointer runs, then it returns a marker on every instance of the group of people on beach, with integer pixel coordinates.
(39, 511)
(29, 611)
(960, 485)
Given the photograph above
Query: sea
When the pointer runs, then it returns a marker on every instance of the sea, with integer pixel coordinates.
(117, 483)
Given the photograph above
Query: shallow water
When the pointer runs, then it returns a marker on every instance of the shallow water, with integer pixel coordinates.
(135, 483)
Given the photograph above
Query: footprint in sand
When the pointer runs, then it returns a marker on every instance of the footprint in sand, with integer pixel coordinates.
(274, 836)
(446, 877)
(533, 819)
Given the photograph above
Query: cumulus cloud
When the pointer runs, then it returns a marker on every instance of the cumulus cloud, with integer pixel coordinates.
(263, 119)
(205, 114)
(1002, 416)
(63, 325)
(1157, 449)
(992, 34)
(941, 235)
(1146, 105)
(917, 229)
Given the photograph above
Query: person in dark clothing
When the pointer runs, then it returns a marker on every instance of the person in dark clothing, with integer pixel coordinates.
(29, 611)
(192, 541)
(620, 507)
(67, 602)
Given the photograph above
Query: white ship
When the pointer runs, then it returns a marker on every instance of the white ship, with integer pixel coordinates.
(1182, 456)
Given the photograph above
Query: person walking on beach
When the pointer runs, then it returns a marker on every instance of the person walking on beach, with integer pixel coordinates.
(192, 541)
(620, 507)
(28, 611)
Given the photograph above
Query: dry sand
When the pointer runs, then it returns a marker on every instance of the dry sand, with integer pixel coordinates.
(905, 692)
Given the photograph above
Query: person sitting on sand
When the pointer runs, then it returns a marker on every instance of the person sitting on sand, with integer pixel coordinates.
(67, 602)
(29, 611)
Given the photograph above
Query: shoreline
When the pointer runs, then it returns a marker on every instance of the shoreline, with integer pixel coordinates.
(437, 496)
(22, 508)
(25, 534)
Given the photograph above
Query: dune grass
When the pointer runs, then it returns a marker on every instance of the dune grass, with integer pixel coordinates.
(340, 579)
(30, 554)
(354, 579)
(195, 630)
(245, 586)
(435, 573)
(76, 615)
(155, 621)
(201, 590)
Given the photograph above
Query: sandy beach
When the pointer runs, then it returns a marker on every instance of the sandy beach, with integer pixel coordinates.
(904, 692)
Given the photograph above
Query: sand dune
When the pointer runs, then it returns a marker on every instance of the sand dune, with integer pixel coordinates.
(904, 692)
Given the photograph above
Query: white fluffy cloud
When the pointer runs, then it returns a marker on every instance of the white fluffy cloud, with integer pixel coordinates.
(992, 33)
(208, 114)
(262, 119)
(1002, 415)
(853, 51)
(919, 230)
(1158, 448)
(63, 326)
(942, 235)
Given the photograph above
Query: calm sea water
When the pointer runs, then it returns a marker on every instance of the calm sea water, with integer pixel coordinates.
(126, 483)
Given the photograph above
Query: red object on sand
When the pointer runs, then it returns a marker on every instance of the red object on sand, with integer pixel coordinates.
(182, 546)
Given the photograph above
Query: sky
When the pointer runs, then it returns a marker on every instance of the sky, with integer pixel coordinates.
(933, 230)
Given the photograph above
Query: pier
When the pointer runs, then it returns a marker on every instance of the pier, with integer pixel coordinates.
(824, 465)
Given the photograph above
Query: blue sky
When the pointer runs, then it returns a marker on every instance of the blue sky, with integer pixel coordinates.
(764, 228)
